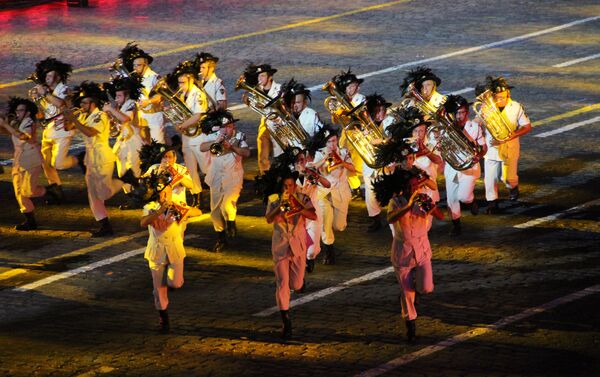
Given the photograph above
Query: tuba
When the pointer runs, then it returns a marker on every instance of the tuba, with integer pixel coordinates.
(454, 146)
(493, 119)
(284, 127)
(178, 112)
(118, 70)
(362, 133)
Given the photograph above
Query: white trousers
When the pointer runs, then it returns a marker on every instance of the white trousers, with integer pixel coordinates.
(499, 171)
(459, 188)
(196, 162)
(55, 153)
(25, 185)
(100, 187)
(164, 276)
(223, 204)
(334, 218)
(289, 274)
(412, 279)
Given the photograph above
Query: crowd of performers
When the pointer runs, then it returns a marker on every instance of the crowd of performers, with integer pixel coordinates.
(309, 170)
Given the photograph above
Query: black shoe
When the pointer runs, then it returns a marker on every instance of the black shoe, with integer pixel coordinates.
(130, 178)
(375, 224)
(163, 321)
(492, 207)
(221, 243)
(286, 331)
(411, 331)
(54, 194)
(28, 224)
(329, 255)
(231, 229)
(310, 265)
(105, 229)
(357, 194)
(456, 230)
(196, 200)
(81, 161)
(474, 208)
(513, 194)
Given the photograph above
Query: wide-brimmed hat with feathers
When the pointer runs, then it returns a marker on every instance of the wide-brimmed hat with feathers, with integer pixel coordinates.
(418, 76)
(397, 182)
(214, 120)
(204, 57)
(345, 78)
(131, 52)
(149, 188)
(455, 102)
(496, 84)
(374, 100)
(152, 154)
(250, 75)
(292, 88)
(132, 84)
(282, 168)
(185, 67)
(89, 89)
(260, 68)
(52, 64)
(13, 102)
(319, 139)
(400, 142)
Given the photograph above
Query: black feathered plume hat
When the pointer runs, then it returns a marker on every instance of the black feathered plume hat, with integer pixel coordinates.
(132, 84)
(292, 88)
(152, 154)
(319, 139)
(418, 76)
(51, 64)
(374, 100)
(496, 84)
(14, 102)
(265, 68)
(282, 168)
(455, 102)
(204, 57)
(250, 75)
(397, 182)
(92, 90)
(346, 78)
(401, 142)
(132, 52)
(214, 120)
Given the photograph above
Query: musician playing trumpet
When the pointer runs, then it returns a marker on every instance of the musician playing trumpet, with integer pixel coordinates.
(27, 160)
(335, 163)
(226, 172)
(502, 158)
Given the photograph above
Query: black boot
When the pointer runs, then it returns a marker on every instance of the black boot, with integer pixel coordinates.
(221, 242)
(130, 178)
(513, 194)
(329, 255)
(455, 231)
(54, 194)
(310, 265)
(492, 207)
(474, 208)
(357, 194)
(81, 161)
(29, 223)
(375, 224)
(196, 200)
(231, 229)
(286, 332)
(163, 321)
(105, 229)
(411, 331)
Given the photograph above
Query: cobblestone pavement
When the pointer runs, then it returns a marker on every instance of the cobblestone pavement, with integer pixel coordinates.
(102, 322)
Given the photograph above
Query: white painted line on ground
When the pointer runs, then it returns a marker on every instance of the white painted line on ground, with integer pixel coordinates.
(555, 216)
(327, 291)
(470, 50)
(477, 331)
(580, 60)
(95, 265)
(568, 127)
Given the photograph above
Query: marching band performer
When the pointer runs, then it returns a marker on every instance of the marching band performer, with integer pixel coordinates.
(297, 98)
(137, 60)
(335, 163)
(125, 91)
(196, 102)
(461, 184)
(99, 158)
(27, 160)
(209, 82)
(350, 85)
(426, 83)
(265, 143)
(226, 173)
(51, 92)
(501, 159)
(287, 209)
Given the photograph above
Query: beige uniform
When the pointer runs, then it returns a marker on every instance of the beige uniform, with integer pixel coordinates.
(265, 143)
(128, 144)
(194, 159)
(215, 91)
(26, 169)
(152, 115)
(100, 163)
(56, 140)
(313, 227)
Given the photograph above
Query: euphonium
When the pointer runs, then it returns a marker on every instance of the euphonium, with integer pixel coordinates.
(283, 126)
(178, 112)
(362, 133)
(493, 119)
(118, 70)
(414, 98)
(40, 102)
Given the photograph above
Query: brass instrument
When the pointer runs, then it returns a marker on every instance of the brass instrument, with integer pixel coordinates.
(454, 146)
(41, 103)
(290, 206)
(312, 176)
(493, 119)
(333, 161)
(284, 127)
(177, 212)
(115, 125)
(76, 111)
(362, 133)
(217, 149)
(118, 70)
(177, 112)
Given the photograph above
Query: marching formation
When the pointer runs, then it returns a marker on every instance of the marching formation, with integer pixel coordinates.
(309, 169)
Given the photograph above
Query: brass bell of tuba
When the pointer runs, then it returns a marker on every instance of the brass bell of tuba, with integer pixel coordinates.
(178, 112)
(362, 133)
(118, 70)
(283, 126)
(493, 119)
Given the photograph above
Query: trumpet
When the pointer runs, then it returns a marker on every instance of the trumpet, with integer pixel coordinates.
(217, 149)
(290, 206)
(312, 175)
(177, 212)
(493, 119)
(333, 161)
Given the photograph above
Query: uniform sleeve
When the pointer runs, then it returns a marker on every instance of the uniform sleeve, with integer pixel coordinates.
(61, 91)
(220, 92)
(522, 119)
(242, 138)
(100, 123)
